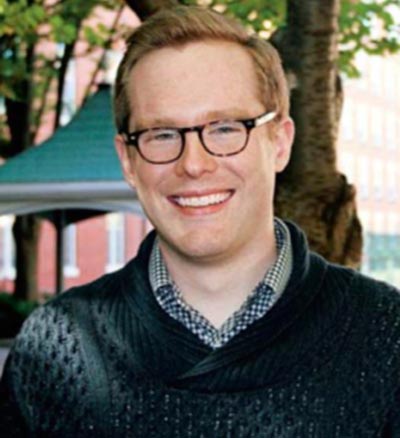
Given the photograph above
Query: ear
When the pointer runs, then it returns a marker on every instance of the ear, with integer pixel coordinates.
(283, 140)
(126, 159)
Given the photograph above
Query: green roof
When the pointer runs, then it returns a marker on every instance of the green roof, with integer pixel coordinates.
(76, 170)
(81, 151)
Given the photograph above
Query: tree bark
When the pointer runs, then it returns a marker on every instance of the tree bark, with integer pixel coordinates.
(26, 232)
(311, 191)
(144, 8)
(26, 228)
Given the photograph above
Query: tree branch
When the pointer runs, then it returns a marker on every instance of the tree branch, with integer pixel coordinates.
(36, 122)
(62, 72)
(101, 60)
(143, 9)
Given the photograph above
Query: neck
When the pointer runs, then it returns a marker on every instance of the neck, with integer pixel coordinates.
(218, 288)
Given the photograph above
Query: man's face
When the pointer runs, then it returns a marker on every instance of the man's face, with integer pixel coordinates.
(205, 208)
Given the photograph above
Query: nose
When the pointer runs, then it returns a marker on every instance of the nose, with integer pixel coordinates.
(195, 160)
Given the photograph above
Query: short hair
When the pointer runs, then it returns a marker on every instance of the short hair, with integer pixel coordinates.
(181, 25)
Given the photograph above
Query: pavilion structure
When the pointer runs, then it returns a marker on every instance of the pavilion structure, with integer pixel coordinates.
(72, 176)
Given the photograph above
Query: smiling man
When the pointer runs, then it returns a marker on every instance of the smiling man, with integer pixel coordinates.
(205, 151)
(225, 324)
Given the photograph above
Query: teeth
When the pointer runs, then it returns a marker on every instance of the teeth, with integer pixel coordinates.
(202, 201)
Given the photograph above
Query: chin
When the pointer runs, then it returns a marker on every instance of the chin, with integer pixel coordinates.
(198, 246)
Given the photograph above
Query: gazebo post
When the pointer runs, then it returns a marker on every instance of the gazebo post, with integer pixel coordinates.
(54, 180)
(60, 225)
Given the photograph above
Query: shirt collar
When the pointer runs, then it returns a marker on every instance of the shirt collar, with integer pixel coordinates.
(276, 277)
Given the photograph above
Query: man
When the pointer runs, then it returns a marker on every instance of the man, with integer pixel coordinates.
(225, 324)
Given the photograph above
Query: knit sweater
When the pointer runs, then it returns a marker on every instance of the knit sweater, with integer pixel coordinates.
(104, 360)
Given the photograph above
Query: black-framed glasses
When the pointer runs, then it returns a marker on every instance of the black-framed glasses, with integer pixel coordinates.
(222, 138)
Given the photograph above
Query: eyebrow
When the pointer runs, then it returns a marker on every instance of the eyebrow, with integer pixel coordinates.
(209, 116)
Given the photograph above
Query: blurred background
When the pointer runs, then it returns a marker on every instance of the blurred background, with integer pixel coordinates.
(67, 217)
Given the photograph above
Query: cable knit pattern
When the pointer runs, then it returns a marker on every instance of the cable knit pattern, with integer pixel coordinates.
(49, 375)
(104, 360)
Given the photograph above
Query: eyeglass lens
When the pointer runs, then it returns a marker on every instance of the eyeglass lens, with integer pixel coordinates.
(220, 138)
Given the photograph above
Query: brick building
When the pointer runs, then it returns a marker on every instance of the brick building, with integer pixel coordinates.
(369, 154)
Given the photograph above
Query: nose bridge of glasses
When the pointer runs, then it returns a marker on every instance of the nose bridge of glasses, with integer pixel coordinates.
(197, 128)
(193, 129)
(196, 147)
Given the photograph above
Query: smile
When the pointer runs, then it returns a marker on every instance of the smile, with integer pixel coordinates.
(202, 201)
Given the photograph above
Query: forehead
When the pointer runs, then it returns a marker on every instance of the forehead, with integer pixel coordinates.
(184, 82)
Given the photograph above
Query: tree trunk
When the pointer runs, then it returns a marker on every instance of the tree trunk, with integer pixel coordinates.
(144, 8)
(26, 232)
(311, 191)
(26, 229)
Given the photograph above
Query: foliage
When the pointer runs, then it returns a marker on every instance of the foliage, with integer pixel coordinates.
(373, 27)
(27, 23)
(20, 307)
(38, 39)
(258, 15)
(13, 313)
(366, 25)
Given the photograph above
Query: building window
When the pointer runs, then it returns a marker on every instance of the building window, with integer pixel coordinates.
(7, 248)
(346, 165)
(362, 123)
(70, 252)
(391, 137)
(391, 175)
(389, 79)
(378, 179)
(365, 219)
(393, 220)
(115, 223)
(376, 77)
(362, 65)
(347, 121)
(363, 177)
(377, 127)
(379, 223)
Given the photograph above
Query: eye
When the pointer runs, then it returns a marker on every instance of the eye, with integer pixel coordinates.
(161, 135)
(224, 128)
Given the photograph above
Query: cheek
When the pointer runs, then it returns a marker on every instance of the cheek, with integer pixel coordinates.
(149, 181)
(256, 163)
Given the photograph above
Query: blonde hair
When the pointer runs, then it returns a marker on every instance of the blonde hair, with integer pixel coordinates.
(184, 24)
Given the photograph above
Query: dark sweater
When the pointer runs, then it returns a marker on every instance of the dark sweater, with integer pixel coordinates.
(104, 360)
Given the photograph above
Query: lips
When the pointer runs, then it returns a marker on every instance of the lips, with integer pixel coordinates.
(201, 200)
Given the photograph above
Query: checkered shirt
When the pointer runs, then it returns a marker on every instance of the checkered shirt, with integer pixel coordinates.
(260, 300)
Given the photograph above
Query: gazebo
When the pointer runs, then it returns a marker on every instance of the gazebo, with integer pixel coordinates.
(72, 176)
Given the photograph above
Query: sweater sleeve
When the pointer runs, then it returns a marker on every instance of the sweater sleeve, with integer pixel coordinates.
(21, 382)
(44, 383)
(12, 423)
